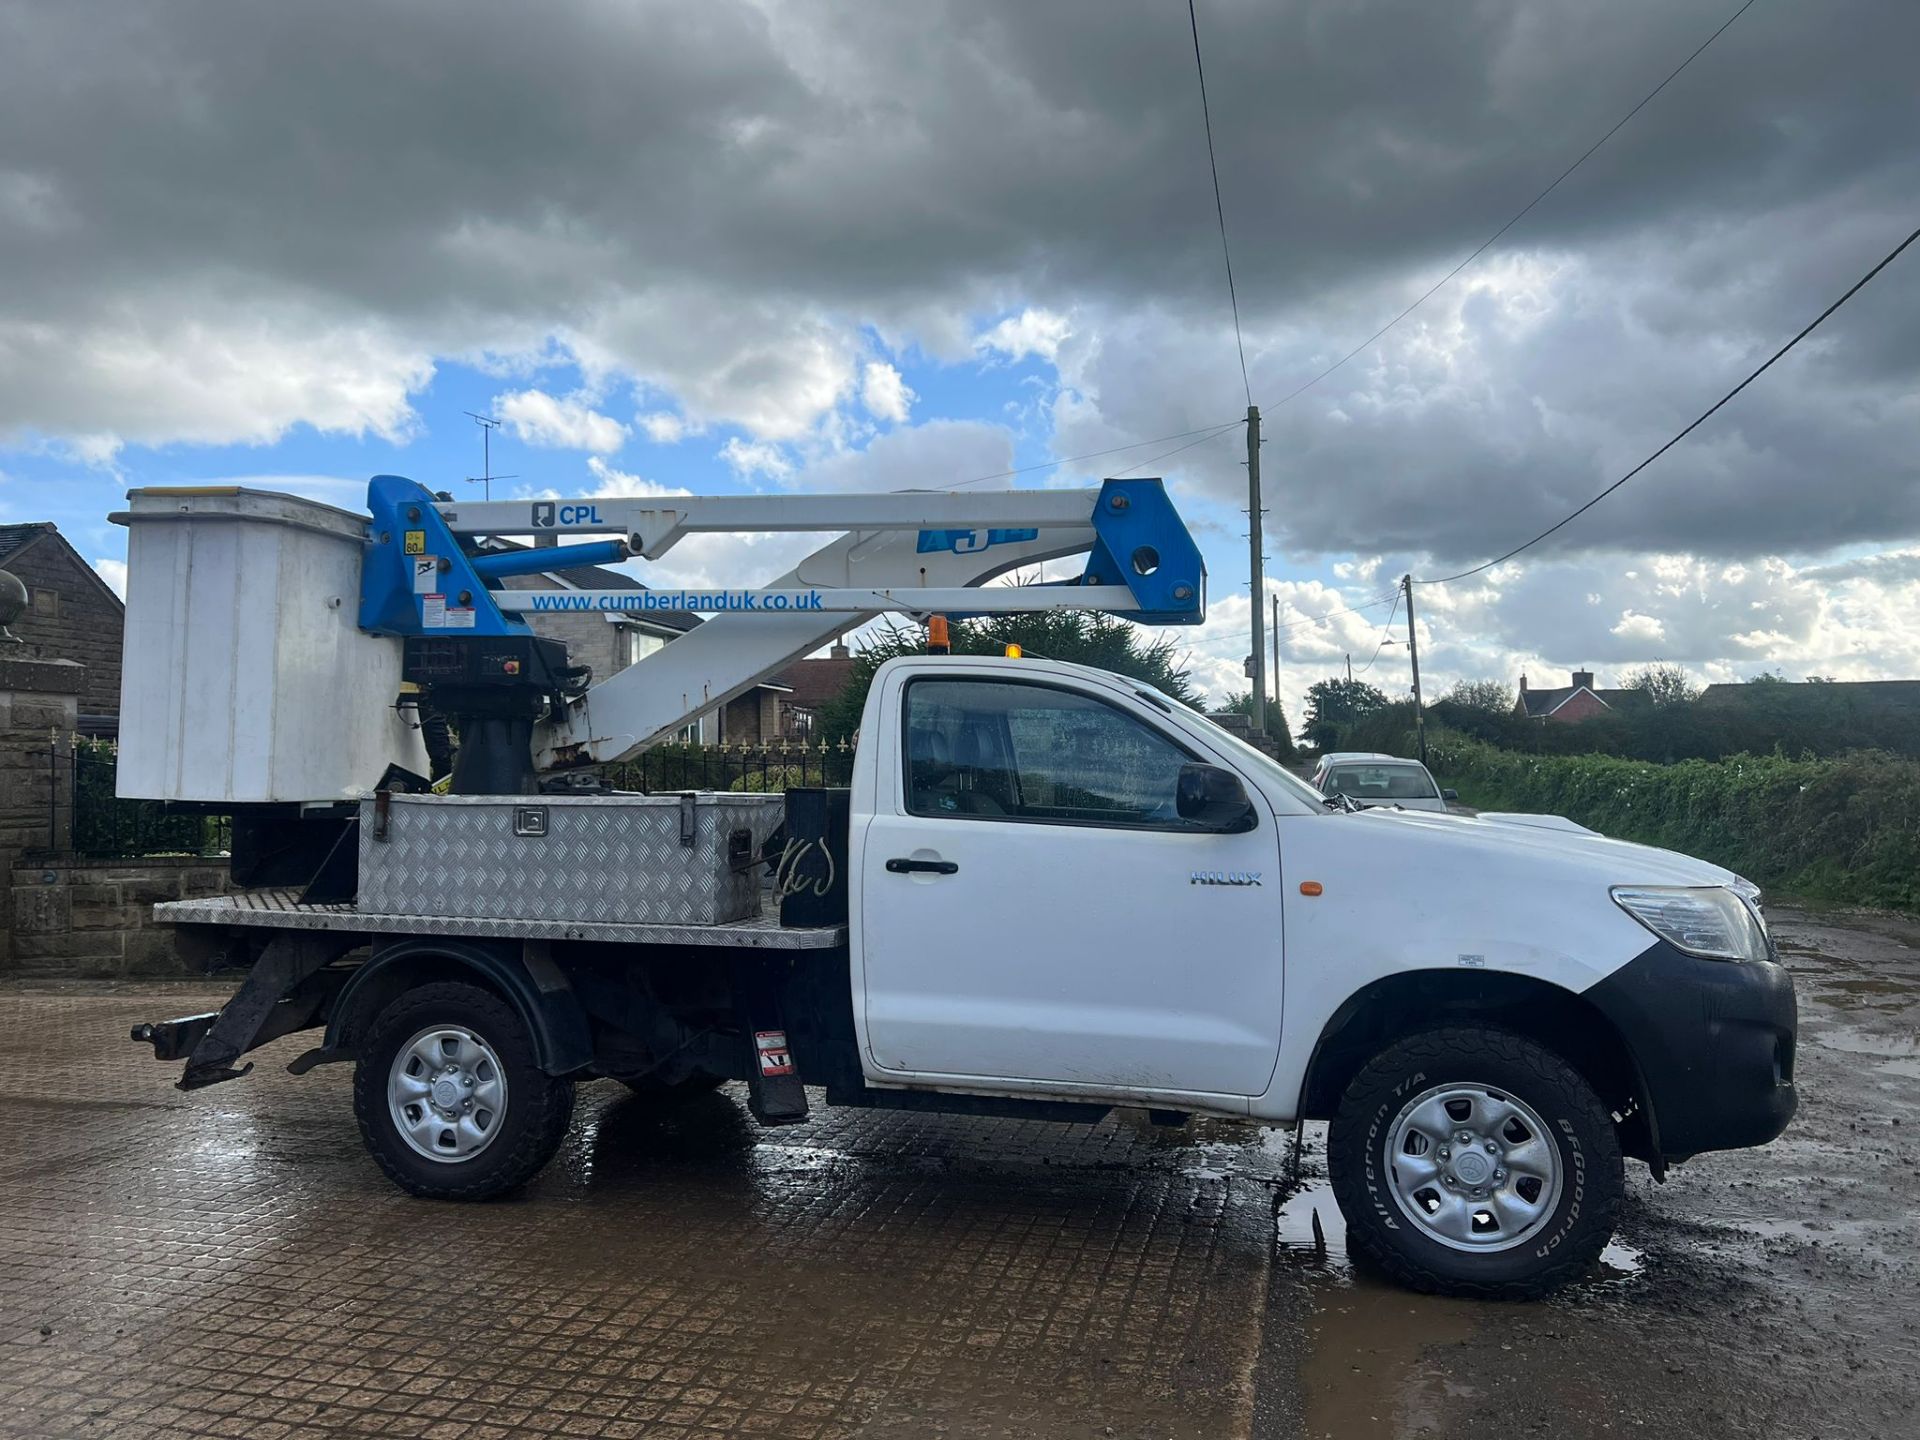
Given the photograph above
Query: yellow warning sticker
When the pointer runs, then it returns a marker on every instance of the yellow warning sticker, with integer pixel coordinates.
(416, 542)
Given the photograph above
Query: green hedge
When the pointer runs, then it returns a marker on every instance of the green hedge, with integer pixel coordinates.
(1844, 829)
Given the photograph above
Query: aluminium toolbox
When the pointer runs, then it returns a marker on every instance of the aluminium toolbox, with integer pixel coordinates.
(610, 859)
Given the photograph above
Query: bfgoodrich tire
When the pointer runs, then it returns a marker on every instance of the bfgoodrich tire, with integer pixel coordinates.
(451, 1102)
(1473, 1161)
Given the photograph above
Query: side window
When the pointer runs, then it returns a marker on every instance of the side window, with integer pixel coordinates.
(1008, 750)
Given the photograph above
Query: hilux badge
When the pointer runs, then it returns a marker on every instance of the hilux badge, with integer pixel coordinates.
(1224, 877)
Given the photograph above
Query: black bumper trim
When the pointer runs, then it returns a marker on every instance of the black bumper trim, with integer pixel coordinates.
(1714, 1043)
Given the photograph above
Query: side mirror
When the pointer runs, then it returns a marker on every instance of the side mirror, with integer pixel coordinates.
(1452, 797)
(1213, 798)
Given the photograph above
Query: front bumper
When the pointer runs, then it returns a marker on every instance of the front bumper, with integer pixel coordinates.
(1714, 1044)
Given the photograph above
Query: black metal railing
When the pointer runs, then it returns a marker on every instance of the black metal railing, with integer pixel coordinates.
(780, 765)
(86, 817)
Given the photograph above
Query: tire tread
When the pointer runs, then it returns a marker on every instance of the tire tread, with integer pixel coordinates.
(1448, 1047)
(527, 1154)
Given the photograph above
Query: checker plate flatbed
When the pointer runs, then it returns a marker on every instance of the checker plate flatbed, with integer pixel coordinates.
(281, 910)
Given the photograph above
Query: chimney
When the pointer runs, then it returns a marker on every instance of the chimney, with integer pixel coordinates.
(1523, 682)
(839, 650)
(1583, 677)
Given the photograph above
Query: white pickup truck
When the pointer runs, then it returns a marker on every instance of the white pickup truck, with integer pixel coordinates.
(1067, 892)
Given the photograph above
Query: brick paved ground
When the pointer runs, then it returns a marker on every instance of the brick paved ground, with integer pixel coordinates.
(229, 1263)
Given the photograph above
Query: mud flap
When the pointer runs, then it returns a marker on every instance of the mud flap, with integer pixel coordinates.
(272, 1001)
(775, 1095)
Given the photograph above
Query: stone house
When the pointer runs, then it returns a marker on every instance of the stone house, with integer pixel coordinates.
(72, 614)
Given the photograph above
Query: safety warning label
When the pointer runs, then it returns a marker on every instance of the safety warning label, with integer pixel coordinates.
(775, 1058)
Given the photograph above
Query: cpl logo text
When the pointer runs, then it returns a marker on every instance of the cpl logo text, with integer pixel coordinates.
(546, 514)
(1224, 877)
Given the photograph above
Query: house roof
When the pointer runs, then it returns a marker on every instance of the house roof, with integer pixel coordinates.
(14, 539)
(814, 682)
(1538, 704)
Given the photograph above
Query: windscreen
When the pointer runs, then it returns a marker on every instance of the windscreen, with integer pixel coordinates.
(1381, 782)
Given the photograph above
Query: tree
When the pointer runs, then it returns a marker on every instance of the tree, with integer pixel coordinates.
(1079, 636)
(1333, 704)
(1241, 703)
(1664, 685)
(1489, 695)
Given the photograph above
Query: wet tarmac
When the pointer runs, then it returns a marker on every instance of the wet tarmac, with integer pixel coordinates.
(230, 1263)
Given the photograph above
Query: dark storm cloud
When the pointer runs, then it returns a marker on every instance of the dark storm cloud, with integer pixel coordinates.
(712, 199)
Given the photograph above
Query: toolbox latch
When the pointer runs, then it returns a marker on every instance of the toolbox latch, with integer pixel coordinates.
(686, 820)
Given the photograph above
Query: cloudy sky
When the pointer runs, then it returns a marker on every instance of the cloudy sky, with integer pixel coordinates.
(774, 246)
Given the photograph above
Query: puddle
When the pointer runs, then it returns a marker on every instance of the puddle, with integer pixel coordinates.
(1365, 1373)
(1895, 1054)
(1373, 1366)
(1619, 1261)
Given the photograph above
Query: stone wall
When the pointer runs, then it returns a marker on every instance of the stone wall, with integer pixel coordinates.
(71, 615)
(94, 918)
(65, 916)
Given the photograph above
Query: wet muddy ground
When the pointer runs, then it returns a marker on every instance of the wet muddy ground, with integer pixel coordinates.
(230, 1263)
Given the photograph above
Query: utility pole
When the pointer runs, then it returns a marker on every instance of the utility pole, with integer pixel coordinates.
(1256, 534)
(1275, 676)
(1349, 669)
(1413, 650)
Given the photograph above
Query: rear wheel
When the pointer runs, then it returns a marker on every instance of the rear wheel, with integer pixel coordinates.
(451, 1101)
(1474, 1161)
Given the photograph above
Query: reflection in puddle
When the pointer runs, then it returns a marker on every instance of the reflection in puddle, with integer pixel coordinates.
(1896, 1054)
(1372, 1368)
(1365, 1371)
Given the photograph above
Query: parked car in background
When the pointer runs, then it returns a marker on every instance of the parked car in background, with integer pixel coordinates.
(1373, 779)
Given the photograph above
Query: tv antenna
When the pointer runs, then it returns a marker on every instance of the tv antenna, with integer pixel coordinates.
(486, 477)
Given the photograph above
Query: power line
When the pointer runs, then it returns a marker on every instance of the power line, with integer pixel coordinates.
(1219, 209)
(1156, 459)
(1385, 638)
(1520, 214)
(1818, 320)
(1302, 623)
(1207, 431)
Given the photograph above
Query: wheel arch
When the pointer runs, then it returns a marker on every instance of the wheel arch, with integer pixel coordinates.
(536, 989)
(1397, 1006)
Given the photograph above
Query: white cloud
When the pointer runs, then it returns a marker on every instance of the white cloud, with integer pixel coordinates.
(1033, 331)
(885, 393)
(204, 368)
(1645, 628)
(663, 427)
(611, 482)
(750, 458)
(560, 423)
(932, 456)
(114, 572)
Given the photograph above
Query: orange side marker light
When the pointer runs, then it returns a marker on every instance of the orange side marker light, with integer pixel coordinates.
(1310, 887)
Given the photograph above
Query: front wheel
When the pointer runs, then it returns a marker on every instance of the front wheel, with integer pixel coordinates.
(1473, 1161)
(451, 1101)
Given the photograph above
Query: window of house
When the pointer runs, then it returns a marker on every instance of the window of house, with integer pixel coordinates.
(1010, 750)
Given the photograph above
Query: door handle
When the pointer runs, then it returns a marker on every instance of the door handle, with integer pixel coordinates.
(900, 865)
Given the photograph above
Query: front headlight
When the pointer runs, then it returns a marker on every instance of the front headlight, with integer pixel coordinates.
(1711, 921)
